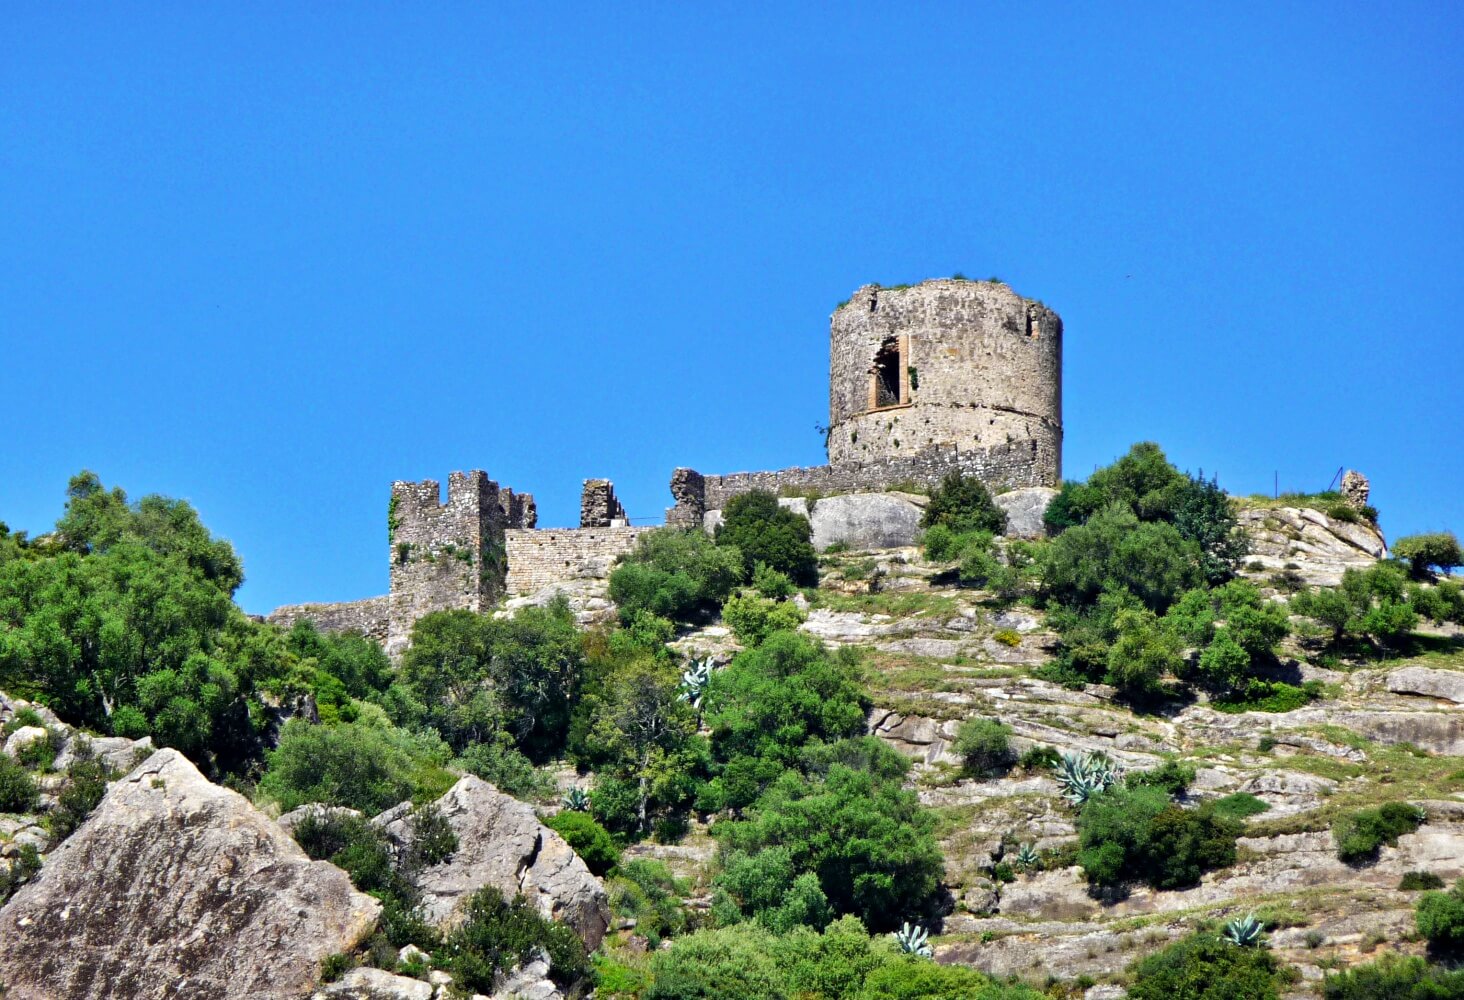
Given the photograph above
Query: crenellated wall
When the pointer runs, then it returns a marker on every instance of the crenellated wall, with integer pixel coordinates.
(371, 617)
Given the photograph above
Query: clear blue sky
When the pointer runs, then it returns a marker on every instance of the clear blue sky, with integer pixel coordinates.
(270, 258)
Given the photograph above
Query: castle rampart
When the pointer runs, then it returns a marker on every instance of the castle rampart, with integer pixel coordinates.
(539, 559)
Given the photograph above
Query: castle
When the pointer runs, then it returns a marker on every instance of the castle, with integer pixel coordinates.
(947, 375)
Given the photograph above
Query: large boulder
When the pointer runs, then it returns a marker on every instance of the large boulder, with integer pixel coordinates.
(177, 887)
(1447, 685)
(865, 521)
(1024, 509)
(1317, 548)
(501, 843)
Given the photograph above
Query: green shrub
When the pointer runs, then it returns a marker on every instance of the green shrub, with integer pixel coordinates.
(1419, 880)
(357, 765)
(17, 788)
(1395, 977)
(497, 935)
(865, 837)
(359, 848)
(1438, 550)
(499, 763)
(433, 839)
(1172, 777)
(1239, 806)
(984, 745)
(1142, 654)
(1037, 758)
(675, 573)
(22, 867)
(1205, 966)
(1130, 834)
(1114, 551)
(647, 892)
(764, 532)
(591, 841)
(1440, 918)
(961, 504)
(1360, 835)
(1008, 637)
(81, 792)
(1272, 696)
(772, 584)
(752, 618)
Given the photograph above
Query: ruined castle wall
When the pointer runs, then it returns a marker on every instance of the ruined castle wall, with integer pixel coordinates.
(370, 617)
(980, 367)
(444, 555)
(537, 559)
(1001, 466)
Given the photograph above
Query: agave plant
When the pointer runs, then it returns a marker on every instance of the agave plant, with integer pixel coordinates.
(694, 681)
(576, 801)
(914, 940)
(1245, 932)
(1027, 858)
(1084, 775)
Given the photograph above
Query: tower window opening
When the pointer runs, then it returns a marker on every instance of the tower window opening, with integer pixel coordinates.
(887, 386)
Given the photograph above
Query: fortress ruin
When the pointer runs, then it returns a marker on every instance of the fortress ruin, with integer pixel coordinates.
(947, 375)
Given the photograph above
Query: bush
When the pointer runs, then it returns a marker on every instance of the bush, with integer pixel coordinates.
(85, 784)
(1142, 654)
(764, 532)
(357, 765)
(675, 573)
(1419, 880)
(647, 892)
(961, 504)
(771, 700)
(1205, 966)
(497, 935)
(17, 788)
(865, 837)
(1130, 834)
(984, 744)
(771, 584)
(1239, 806)
(22, 867)
(1440, 918)
(1171, 777)
(1039, 758)
(1114, 551)
(1394, 977)
(358, 847)
(752, 618)
(591, 841)
(1438, 550)
(500, 764)
(1362, 834)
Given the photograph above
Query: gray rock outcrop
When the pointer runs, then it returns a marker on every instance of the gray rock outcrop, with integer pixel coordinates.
(501, 843)
(177, 887)
(1318, 547)
(865, 521)
(1447, 685)
(1024, 509)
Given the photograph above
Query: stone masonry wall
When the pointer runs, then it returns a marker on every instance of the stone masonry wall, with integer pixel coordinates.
(444, 555)
(1006, 466)
(370, 617)
(537, 559)
(599, 507)
(980, 366)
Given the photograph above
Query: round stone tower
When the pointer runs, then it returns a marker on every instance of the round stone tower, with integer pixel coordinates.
(964, 368)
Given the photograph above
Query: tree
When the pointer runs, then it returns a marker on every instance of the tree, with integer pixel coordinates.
(1115, 551)
(865, 837)
(962, 503)
(1138, 833)
(677, 574)
(765, 532)
(984, 745)
(1438, 550)
(1142, 653)
(1440, 917)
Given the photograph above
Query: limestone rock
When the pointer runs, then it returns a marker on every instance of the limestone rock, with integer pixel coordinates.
(24, 737)
(529, 983)
(1445, 684)
(116, 752)
(292, 819)
(1319, 548)
(1024, 509)
(501, 843)
(1052, 895)
(865, 521)
(376, 984)
(177, 887)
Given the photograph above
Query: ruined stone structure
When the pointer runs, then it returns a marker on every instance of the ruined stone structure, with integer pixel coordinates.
(942, 376)
(1355, 489)
(948, 375)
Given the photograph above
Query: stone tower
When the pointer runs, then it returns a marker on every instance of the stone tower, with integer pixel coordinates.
(449, 555)
(947, 365)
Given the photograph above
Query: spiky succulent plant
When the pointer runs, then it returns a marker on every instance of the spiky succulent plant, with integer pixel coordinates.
(1084, 775)
(914, 940)
(694, 681)
(576, 800)
(1245, 932)
(1027, 858)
